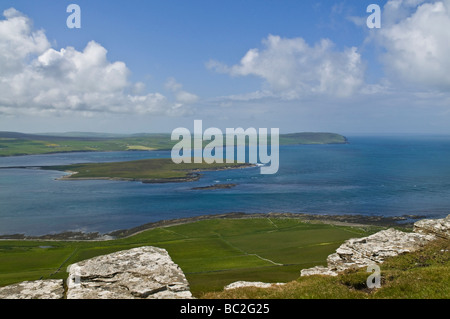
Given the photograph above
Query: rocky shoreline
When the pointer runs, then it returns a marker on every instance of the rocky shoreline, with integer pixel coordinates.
(405, 221)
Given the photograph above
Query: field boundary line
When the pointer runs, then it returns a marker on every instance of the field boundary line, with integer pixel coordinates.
(271, 261)
(246, 253)
(272, 223)
(174, 232)
(67, 259)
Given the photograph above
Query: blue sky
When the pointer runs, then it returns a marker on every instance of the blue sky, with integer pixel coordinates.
(152, 66)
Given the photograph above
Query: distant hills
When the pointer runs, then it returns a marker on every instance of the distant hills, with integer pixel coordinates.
(69, 135)
(15, 143)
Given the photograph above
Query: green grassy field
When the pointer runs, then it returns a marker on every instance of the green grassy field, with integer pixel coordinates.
(44, 145)
(423, 274)
(212, 253)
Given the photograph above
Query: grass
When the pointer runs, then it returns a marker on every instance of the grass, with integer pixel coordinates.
(212, 253)
(28, 146)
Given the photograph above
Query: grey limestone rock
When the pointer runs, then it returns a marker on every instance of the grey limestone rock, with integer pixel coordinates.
(437, 227)
(139, 273)
(39, 289)
(374, 249)
(257, 284)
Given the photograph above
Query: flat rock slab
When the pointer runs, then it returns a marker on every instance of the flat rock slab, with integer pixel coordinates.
(39, 289)
(256, 284)
(318, 270)
(140, 273)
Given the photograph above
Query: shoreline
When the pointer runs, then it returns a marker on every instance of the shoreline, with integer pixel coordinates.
(338, 220)
(191, 177)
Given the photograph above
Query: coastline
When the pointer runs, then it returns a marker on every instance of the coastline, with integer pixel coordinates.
(338, 220)
(191, 177)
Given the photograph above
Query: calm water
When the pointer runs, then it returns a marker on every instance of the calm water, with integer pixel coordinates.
(373, 176)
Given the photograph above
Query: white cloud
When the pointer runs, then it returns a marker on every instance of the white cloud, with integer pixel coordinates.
(416, 39)
(37, 79)
(398, 10)
(291, 68)
(186, 97)
(358, 21)
(18, 40)
(181, 96)
(173, 85)
(257, 95)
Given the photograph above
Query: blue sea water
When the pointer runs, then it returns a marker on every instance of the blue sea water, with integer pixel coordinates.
(388, 176)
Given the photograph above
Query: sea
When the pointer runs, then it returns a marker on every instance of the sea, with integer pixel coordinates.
(371, 175)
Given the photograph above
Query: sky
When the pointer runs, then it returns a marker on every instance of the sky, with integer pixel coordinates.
(152, 66)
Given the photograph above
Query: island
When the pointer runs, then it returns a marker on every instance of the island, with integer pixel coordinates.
(155, 170)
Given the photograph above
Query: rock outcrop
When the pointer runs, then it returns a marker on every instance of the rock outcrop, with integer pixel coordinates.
(374, 249)
(436, 227)
(257, 284)
(139, 273)
(39, 289)
(318, 270)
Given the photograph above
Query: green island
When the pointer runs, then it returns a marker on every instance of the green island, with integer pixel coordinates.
(156, 170)
(218, 251)
(14, 144)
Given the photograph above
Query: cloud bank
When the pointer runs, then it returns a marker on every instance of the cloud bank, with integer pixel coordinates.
(37, 79)
(414, 46)
(291, 68)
